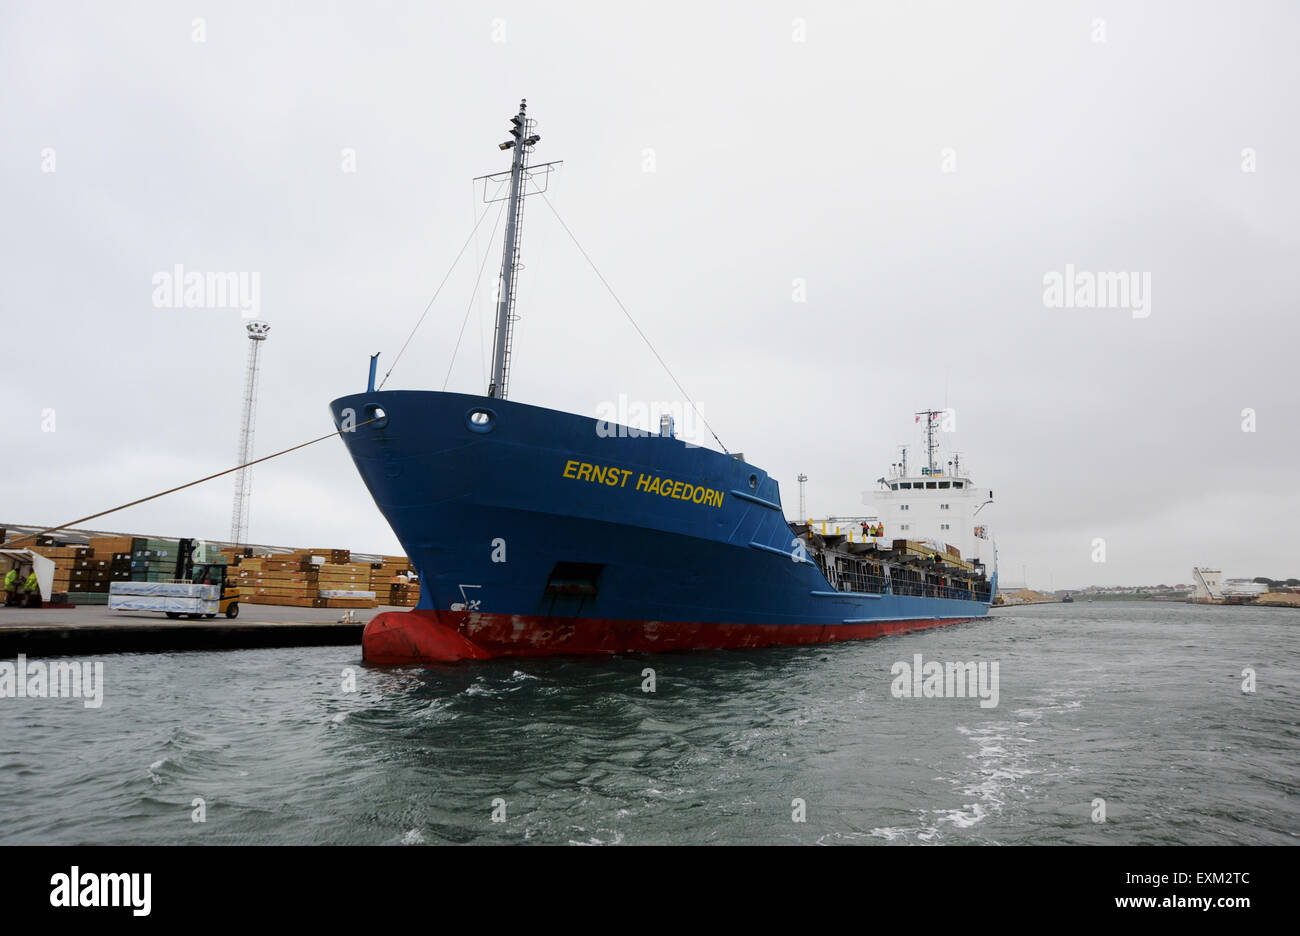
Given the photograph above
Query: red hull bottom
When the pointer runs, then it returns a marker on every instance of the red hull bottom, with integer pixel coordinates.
(424, 636)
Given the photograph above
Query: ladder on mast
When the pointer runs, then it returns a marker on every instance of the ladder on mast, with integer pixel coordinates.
(522, 143)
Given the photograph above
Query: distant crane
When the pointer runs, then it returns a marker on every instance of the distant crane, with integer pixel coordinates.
(257, 332)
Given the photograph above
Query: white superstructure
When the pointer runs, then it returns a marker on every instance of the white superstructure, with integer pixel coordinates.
(938, 504)
(944, 509)
(938, 507)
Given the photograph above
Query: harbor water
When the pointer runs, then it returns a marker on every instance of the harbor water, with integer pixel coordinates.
(1115, 723)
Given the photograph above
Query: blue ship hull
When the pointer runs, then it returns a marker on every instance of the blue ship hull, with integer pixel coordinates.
(540, 532)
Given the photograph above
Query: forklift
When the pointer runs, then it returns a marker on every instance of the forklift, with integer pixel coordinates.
(206, 573)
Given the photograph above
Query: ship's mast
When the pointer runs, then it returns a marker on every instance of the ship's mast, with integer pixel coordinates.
(521, 145)
(930, 444)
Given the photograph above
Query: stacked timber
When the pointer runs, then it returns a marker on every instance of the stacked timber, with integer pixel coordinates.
(327, 556)
(287, 581)
(312, 578)
(345, 584)
(65, 560)
(85, 573)
(88, 580)
(303, 580)
(153, 560)
(393, 581)
(106, 547)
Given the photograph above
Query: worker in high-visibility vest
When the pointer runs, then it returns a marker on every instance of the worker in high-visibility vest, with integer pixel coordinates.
(11, 587)
(32, 590)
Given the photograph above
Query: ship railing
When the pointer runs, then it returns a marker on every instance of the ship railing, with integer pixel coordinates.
(863, 583)
(873, 584)
(852, 581)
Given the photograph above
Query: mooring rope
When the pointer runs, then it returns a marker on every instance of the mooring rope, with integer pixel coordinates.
(71, 523)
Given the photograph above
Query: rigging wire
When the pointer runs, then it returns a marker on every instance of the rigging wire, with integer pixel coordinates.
(610, 289)
(420, 321)
(482, 350)
(599, 275)
(71, 523)
(472, 297)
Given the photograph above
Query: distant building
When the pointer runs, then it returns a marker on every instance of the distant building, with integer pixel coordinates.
(1206, 586)
(1211, 589)
(1243, 588)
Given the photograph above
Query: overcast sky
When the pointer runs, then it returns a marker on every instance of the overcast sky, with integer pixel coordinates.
(921, 168)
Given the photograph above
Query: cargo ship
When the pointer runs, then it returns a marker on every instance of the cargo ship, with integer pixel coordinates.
(540, 532)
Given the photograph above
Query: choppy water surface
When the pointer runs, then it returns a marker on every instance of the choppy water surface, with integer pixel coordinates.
(1139, 704)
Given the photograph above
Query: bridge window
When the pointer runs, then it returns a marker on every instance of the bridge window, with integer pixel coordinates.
(943, 485)
(906, 485)
(893, 487)
(957, 484)
(929, 485)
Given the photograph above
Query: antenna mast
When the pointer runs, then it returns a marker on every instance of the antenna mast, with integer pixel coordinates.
(524, 139)
(930, 444)
(803, 510)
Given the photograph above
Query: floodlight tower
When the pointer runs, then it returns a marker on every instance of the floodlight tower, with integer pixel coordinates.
(803, 515)
(257, 332)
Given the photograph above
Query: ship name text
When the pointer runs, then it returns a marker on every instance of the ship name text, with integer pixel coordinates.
(645, 483)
